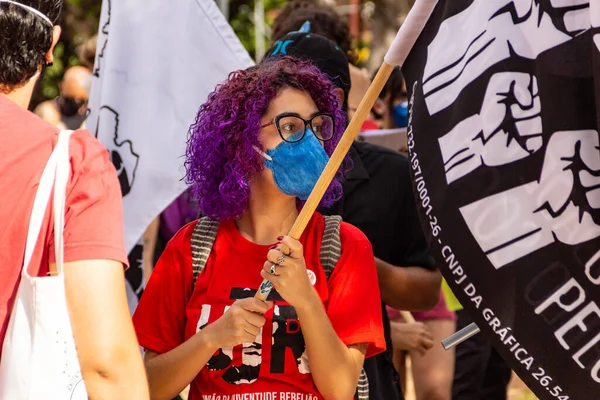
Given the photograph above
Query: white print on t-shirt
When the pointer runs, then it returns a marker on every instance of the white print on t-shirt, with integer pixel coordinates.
(261, 396)
(279, 329)
(286, 336)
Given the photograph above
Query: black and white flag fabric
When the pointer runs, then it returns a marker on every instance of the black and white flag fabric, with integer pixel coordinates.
(156, 63)
(503, 138)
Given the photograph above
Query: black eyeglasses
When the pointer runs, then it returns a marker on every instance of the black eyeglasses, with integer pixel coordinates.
(292, 127)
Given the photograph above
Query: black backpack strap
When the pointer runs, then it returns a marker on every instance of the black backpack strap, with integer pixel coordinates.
(331, 251)
(203, 239)
(331, 245)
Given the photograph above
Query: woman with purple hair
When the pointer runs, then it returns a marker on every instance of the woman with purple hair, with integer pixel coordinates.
(256, 150)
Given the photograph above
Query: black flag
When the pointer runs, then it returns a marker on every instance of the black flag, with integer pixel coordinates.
(504, 111)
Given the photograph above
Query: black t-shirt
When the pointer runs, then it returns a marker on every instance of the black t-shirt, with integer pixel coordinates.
(378, 200)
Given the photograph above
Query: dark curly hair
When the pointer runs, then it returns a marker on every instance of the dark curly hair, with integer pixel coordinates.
(25, 40)
(324, 21)
(220, 159)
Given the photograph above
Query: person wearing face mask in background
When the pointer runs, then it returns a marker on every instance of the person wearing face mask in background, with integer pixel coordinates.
(69, 110)
(391, 108)
(392, 105)
(400, 114)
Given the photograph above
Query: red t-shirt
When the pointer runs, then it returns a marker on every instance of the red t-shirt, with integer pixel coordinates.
(93, 219)
(276, 366)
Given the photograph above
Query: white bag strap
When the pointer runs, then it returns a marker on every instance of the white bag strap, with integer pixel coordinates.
(56, 174)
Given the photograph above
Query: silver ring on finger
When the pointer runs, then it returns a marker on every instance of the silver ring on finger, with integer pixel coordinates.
(273, 269)
(281, 259)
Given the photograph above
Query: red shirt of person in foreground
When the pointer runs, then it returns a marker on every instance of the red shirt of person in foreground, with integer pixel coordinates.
(93, 224)
(258, 146)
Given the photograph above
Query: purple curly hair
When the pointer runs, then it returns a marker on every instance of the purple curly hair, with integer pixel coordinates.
(220, 159)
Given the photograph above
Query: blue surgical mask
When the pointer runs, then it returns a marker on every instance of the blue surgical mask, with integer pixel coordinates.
(400, 115)
(297, 166)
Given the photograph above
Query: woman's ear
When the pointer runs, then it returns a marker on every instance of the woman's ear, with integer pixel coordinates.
(55, 36)
(340, 95)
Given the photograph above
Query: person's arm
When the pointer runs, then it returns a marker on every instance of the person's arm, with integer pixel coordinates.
(336, 343)
(149, 238)
(169, 373)
(408, 288)
(335, 367)
(409, 281)
(109, 355)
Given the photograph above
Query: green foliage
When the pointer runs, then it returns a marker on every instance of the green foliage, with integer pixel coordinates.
(242, 21)
(79, 23)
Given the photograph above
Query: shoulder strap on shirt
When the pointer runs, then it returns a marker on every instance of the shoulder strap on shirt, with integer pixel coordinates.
(203, 239)
(205, 233)
(331, 245)
(331, 251)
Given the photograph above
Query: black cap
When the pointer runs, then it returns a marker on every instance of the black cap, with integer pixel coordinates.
(319, 51)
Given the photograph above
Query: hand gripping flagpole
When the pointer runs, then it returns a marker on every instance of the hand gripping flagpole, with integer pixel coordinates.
(397, 53)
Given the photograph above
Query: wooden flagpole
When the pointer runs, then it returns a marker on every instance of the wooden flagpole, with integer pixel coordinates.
(397, 53)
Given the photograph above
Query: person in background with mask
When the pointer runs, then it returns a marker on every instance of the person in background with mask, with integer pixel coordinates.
(394, 96)
(94, 253)
(69, 110)
(391, 112)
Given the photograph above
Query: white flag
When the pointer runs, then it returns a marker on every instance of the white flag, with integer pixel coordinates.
(503, 139)
(156, 63)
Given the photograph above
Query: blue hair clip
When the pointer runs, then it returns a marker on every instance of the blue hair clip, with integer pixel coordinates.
(305, 28)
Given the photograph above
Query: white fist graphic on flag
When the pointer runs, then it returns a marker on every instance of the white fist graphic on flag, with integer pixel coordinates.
(508, 127)
(562, 206)
(490, 31)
